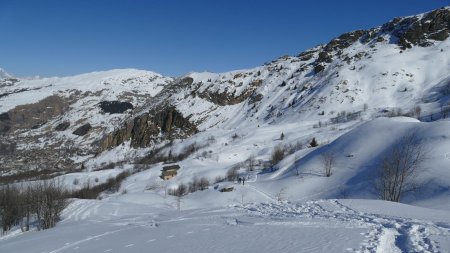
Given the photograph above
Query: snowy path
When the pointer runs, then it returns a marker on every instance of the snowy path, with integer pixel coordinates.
(386, 234)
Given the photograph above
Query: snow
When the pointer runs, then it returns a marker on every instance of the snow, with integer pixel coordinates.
(317, 226)
(291, 207)
(4, 74)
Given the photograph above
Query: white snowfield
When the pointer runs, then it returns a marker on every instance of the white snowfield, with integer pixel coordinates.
(314, 226)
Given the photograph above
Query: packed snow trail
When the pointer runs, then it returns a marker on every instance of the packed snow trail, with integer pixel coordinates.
(386, 234)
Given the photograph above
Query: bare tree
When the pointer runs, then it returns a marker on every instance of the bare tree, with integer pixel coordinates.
(251, 162)
(417, 111)
(50, 201)
(203, 184)
(44, 200)
(398, 170)
(232, 174)
(278, 154)
(328, 159)
(281, 195)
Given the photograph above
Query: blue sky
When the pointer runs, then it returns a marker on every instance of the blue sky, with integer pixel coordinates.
(173, 37)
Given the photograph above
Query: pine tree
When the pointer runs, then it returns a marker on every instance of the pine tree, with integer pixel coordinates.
(313, 143)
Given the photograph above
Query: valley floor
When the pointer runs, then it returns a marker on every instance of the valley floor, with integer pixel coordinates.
(113, 225)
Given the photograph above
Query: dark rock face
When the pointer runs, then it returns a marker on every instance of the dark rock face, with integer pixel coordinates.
(83, 130)
(7, 148)
(32, 115)
(411, 31)
(4, 117)
(170, 119)
(255, 98)
(324, 57)
(62, 126)
(146, 128)
(318, 68)
(345, 40)
(115, 106)
(226, 98)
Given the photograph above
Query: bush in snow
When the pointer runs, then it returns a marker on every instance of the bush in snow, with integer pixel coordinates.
(327, 162)
(398, 170)
(93, 192)
(278, 154)
(232, 174)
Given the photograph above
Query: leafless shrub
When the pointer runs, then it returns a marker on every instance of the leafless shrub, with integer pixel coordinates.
(92, 192)
(278, 154)
(417, 111)
(398, 170)
(211, 139)
(251, 163)
(327, 162)
(232, 174)
(281, 195)
(179, 191)
(203, 184)
(154, 186)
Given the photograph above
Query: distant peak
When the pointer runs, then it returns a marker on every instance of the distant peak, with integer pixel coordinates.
(4, 74)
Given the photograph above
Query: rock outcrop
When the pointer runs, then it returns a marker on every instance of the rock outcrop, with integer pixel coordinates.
(411, 31)
(82, 130)
(226, 98)
(115, 106)
(164, 122)
(32, 115)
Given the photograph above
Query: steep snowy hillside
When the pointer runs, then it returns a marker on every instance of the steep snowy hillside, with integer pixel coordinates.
(321, 93)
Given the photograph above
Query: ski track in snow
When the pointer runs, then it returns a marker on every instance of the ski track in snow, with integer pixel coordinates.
(386, 234)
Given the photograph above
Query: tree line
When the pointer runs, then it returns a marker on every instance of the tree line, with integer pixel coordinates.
(40, 203)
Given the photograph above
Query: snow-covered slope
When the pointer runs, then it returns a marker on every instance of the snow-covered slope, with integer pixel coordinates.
(356, 96)
(4, 74)
(110, 85)
(317, 226)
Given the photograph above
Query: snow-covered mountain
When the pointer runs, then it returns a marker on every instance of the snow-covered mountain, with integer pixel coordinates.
(356, 96)
(4, 74)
